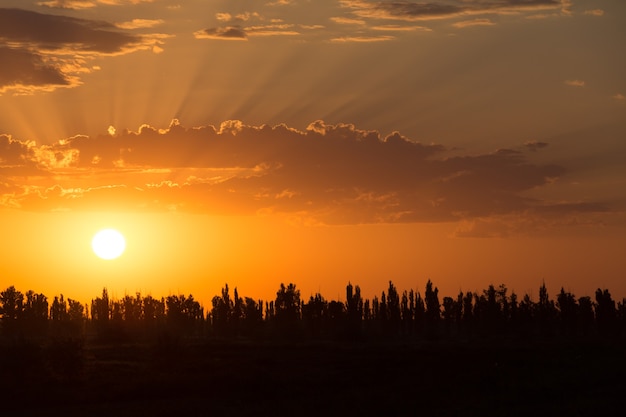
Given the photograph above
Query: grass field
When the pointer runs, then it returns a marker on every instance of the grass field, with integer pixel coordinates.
(243, 378)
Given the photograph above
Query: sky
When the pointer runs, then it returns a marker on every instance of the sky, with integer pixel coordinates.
(253, 142)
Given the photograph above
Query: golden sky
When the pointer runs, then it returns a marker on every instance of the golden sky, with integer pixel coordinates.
(317, 142)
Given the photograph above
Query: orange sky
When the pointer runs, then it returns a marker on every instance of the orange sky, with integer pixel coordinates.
(468, 142)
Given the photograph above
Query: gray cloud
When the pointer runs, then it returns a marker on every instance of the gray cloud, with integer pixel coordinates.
(45, 51)
(54, 32)
(23, 67)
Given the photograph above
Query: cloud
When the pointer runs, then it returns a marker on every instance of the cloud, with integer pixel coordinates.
(347, 21)
(47, 51)
(87, 4)
(332, 174)
(594, 12)
(619, 97)
(531, 222)
(271, 30)
(473, 22)
(402, 10)
(575, 83)
(14, 152)
(400, 28)
(54, 32)
(534, 146)
(140, 23)
(414, 11)
(223, 17)
(225, 33)
(362, 39)
(279, 3)
(69, 4)
(243, 33)
(312, 27)
(23, 70)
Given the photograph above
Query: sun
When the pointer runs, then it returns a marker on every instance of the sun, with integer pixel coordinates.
(108, 244)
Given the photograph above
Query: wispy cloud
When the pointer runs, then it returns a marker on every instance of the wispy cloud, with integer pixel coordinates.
(69, 4)
(534, 146)
(575, 83)
(362, 39)
(347, 21)
(243, 33)
(401, 28)
(473, 22)
(594, 12)
(279, 3)
(87, 4)
(140, 23)
(413, 11)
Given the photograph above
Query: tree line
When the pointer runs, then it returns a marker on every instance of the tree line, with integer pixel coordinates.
(409, 315)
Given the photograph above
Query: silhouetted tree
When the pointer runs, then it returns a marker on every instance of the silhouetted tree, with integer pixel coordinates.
(375, 309)
(493, 313)
(468, 313)
(504, 305)
(433, 310)
(236, 314)
(367, 311)
(621, 317)
(287, 314)
(252, 317)
(514, 314)
(449, 313)
(568, 313)
(59, 318)
(383, 315)
(458, 316)
(58, 310)
(407, 309)
(101, 314)
(336, 319)
(606, 314)
(269, 311)
(221, 313)
(526, 316)
(11, 308)
(314, 315)
(585, 315)
(35, 312)
(393, 311)
(153, 315)
(354, 311)
(183, 313)
(132, 310)
(546, 312)
(419, 317)
(75, 317)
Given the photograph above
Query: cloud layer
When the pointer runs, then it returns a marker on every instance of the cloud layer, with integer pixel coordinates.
(332, 174)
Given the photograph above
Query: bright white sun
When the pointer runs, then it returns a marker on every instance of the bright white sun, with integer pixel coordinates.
(108, 244)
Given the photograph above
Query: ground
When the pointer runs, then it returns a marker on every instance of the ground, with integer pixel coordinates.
(312, 379)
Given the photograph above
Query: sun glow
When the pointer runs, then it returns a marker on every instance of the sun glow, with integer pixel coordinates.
(108, 244)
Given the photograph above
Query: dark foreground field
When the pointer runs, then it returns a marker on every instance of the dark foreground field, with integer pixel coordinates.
(226, 378)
